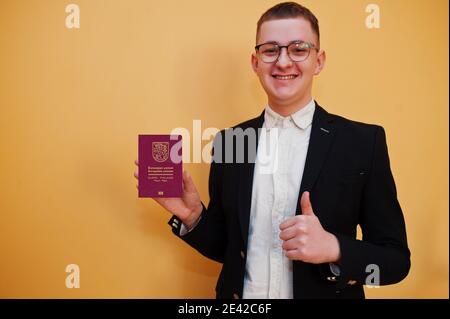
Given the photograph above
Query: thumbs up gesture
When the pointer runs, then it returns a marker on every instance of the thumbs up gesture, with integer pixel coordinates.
(305, 239)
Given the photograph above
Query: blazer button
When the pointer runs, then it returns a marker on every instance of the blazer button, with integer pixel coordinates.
(235, 296)
(242, 254)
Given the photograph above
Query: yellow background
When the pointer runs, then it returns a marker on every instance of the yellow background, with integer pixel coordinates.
(73, 102)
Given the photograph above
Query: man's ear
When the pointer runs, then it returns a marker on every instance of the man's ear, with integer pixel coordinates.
(321, 59)
(254, 62)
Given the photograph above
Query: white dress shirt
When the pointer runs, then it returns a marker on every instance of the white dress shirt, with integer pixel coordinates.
(278, 172)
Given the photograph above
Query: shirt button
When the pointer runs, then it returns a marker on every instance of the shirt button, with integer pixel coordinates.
(235, 296)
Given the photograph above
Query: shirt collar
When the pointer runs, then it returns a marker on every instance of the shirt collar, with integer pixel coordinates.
(302, 118)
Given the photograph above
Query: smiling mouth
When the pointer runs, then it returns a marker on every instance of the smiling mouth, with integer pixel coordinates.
(285, 77)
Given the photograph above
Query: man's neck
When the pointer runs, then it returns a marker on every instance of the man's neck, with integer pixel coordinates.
(286, 109)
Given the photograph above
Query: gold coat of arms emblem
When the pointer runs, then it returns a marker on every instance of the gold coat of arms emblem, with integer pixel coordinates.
(160, 151)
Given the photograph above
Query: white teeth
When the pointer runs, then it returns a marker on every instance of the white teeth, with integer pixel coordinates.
(285, 77)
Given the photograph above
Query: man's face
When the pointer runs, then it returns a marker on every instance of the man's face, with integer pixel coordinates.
(295, 89)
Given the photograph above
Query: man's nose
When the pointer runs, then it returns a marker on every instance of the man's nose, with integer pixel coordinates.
(284, 60)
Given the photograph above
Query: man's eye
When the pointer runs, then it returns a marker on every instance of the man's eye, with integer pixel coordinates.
(299, 51)
(270, 51)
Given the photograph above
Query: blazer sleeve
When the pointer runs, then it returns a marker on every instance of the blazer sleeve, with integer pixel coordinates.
(209, 236)
(384, 243)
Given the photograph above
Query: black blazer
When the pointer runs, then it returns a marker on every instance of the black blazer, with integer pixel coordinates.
(348, 175)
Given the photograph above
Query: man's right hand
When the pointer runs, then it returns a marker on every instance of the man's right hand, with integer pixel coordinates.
(188, 208)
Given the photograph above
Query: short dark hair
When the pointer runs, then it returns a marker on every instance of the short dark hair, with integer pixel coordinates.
(286, 10)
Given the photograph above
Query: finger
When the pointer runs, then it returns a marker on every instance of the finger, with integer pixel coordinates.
(288, 233)
(291, 254)
(136, 175)
(188, 183)
(291, 244)
(160, 200)
(163, 201)
(288, 223)
(136, 162)
(305, 204)
(296, 230)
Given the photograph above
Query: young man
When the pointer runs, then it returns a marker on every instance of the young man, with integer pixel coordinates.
(291, 233)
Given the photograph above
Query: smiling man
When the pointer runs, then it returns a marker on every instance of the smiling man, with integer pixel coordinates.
(287, 58)
(291, 232)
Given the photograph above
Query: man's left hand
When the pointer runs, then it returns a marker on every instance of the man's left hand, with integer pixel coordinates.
(305, 239)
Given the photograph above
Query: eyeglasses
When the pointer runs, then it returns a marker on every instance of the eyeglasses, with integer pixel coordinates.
(297, 51)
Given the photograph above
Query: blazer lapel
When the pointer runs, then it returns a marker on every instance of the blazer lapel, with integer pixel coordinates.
(322, 135)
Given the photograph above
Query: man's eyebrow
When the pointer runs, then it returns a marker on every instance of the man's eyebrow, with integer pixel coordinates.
(270, 42)
(293, 41)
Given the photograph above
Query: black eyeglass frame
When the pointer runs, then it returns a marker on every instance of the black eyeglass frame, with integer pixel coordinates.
(310, 46)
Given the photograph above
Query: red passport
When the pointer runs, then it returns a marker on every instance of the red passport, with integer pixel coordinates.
(160, 166)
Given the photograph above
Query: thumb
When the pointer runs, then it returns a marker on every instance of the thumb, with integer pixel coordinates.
(305, 204)
(188, 183)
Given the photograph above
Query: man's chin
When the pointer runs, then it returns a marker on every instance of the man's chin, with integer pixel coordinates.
(283, 97)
